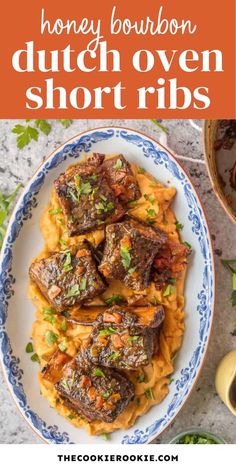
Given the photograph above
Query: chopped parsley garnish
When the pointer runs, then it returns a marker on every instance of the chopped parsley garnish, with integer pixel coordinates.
(179, 225)
(150, 221)
(132, 203)
(172, 280)
(106, 394)
(54, 212)
(34, 357)
(118, 165)
(114, 299)
(107, 331)
(168, 291)
(125, 256)
(104, 207)
(229, 264)
(150, 198)
(49, 318)
(98, 372)
(83, 284)
(83, 188)
(132, 339)
(63, 347)
(141, 170)
(151, 212)
(5, 203)
(188, 244)
(105, 436)
(149, 393)
(114, 356)
(67, 264)
(141, 378)
(50, 337)
(132, 270)
(71, 417)
(62, 242)
(75, 290)
(47, 310)
(65, 384)
(165, 221)
(195, 439)
(63, 325)
(29, 348)
(72, 194)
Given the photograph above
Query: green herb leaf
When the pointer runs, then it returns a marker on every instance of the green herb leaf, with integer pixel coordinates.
(105, 436)
(50, 318)
(71, 417)
(54, 212)
(50, 337)
(47, 310)
(188, 244)
(114, 356)
(25, 134)
(159, 125)
(179, 225)
(63, 347)
(141, 170)
(65, 384)
(106, 394)
(63, 242)
(44, 126)
(118, 165)
(132, 270)
(125, 256)
(149, 393)
(63, 326)
(168, 291)
(29, 348)
(150, 198)
(141, 378)
(34, 357)
(83, 284)
(66, 123)
(74, 291)
(132, 339)
(151, 212)
(5, 202)
(107, 331)
(98, 372)
(117, 299)
(67, 264)
(234, 281)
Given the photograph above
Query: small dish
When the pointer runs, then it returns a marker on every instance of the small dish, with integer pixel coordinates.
(225, 381)
(198, 432)
(220, 159)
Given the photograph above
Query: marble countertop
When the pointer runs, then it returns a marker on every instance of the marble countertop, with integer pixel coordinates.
(203, 408)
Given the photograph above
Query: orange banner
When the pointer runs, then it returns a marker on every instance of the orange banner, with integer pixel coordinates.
(167, 59)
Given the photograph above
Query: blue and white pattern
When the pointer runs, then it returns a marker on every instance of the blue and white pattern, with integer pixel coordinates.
(151, 151)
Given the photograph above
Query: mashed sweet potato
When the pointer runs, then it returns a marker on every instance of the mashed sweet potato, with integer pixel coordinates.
(151, 382)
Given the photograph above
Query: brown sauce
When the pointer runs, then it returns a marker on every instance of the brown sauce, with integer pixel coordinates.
(232, 393)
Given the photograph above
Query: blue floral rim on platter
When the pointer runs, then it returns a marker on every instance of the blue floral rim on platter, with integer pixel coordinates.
(11, 364)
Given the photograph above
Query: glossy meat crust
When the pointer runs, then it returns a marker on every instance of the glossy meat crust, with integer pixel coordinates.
(86, 198)
(121, 179)
(129, 252)
(119, 341)
(94, 393)
(68, 278)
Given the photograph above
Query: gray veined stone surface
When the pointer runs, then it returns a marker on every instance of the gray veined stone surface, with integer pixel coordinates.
(203, 408)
